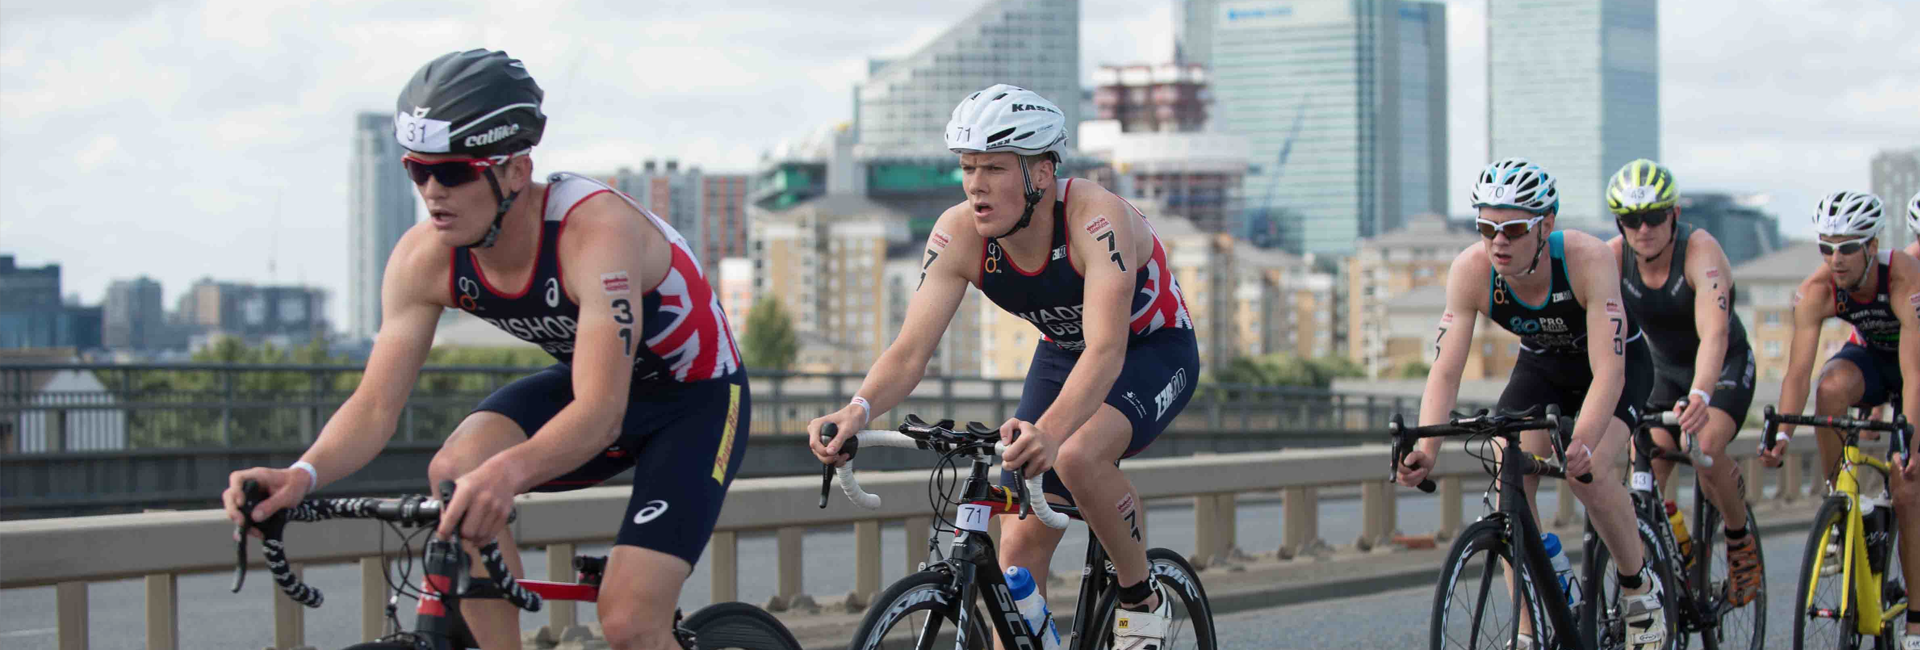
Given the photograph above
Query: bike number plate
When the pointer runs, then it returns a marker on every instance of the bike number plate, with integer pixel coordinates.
(1643, 481)
(973, 517)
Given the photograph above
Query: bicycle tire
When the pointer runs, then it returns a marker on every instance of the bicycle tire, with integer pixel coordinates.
(739, 626)
(1489, 538)
(1599, 607)
(1710, 558)
(1178, 580)
(1829, 520)
(930, 591)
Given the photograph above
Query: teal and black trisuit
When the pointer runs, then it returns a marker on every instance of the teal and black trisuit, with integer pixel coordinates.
(1552, 367)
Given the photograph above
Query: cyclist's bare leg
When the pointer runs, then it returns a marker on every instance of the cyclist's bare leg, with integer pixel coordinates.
(494, 623)
(1608, 505)
(637, 597)
(1030, 544)
(1841, 385)
(1106, 498)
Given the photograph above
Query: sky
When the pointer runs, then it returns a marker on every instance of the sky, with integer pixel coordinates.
(210, 138)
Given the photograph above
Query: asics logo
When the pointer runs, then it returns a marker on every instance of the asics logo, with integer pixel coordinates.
(652, 511)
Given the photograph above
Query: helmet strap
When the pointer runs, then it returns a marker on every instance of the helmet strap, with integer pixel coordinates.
(1536, 253)
(1032, 197)
(506, 202)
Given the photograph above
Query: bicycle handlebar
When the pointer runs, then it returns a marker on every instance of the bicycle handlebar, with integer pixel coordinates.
(411, 510)
(1671, 419)
(1483, 422)
(917, 435)
(1774, 419)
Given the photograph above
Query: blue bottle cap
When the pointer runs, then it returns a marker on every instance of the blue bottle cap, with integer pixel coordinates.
(1552, 542)
(1019, 582)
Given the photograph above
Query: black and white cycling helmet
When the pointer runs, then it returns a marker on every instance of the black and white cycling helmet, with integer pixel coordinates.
(1004, 118)
(1913, 213)
(1848, 214)
(1516, 183)
(479, 103)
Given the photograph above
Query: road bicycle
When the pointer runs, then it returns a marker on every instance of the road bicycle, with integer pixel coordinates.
(1702, 585)
(1851, 589)
(446, 580)
(1501, 556)
(968, 590)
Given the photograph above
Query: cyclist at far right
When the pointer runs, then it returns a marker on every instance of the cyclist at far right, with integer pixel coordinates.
(1677, 281)
(1913, 224)
(1878, 291)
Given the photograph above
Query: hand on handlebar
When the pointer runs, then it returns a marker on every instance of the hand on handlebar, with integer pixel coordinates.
(1579, 460)
(285, 487)
(1413, 469)
(1028, 449)
(481, 506)
(1774, 456)
(1693, 414)
(849, 420)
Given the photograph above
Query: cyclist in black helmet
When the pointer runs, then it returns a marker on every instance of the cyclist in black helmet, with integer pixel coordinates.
(648, 375)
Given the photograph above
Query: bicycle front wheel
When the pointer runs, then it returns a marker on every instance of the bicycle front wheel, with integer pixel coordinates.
(734, 625)
(1192, 617)
(915, 612)
(1817, 622)
(1476, 605)
(1742, 627)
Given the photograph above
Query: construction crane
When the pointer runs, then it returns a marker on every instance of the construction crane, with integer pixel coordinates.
(1286, 150)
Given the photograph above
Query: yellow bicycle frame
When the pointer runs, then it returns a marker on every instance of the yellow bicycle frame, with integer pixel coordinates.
(1853, 561)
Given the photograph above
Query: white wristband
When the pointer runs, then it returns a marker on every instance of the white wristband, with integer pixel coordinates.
(313, 477)
(866, 409)
(1704, 397)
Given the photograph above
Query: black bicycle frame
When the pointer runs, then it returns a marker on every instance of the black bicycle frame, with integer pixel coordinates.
(975, 564)
(1649, 508)
(1524, 537)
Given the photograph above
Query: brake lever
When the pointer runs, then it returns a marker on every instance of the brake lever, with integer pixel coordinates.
(254, 496)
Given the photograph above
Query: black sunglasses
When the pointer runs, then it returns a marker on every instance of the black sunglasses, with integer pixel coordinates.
(1652, 218)
(451, 173)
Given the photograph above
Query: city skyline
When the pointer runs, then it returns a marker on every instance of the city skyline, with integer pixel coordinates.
(249, 156)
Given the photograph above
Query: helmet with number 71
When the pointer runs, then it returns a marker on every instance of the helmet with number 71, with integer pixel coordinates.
(478, 103)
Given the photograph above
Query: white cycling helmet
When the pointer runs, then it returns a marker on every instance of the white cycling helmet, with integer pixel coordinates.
(1848, 214)
(1010, 119)
(1913, 213)
(1007, 118)
(1516, 183)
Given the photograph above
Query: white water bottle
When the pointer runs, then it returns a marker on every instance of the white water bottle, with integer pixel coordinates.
(1033, 607)
(1561, 567)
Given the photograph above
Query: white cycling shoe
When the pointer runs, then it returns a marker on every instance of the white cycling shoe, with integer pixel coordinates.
(1143, 630)
(1645, 618)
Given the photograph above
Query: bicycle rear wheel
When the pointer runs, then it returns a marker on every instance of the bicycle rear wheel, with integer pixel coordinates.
(1816, 621)
(1476, 605)
(1192, 617)
(1601, 613)
(734, 625)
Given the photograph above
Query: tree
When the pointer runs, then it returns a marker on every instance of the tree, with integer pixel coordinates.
(1414, 369)
(770, 341)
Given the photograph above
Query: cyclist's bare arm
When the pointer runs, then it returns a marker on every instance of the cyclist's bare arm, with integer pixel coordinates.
(611, 255)
(1904, 298)
(1812, 306)
(1106, 236)
(414, 291)
(950, 262)
(1467, 279)
(1712, 279)
(1596, 284)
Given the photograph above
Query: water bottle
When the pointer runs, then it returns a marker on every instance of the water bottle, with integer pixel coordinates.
(1568, 584)
(1033, 607)
(1679, 524)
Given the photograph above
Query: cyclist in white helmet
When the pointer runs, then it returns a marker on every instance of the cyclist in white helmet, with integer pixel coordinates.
(1085, 268)
(1580, 349)
(1878, 291)
(1913, 225)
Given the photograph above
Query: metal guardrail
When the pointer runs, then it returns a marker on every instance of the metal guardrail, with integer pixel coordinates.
(155, 406)
(70, 553)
